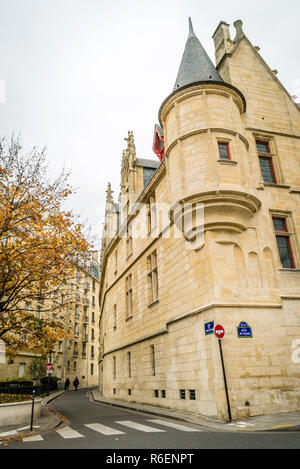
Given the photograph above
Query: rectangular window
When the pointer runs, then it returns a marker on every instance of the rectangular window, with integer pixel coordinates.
(129, 239)
(192, 394)
(76, 330)
(92, 351)
(163, 393)
(21, 370)
(267, 169)
(266, 162)
(262, 147)
(129, 392)
(151, 213)
(283, 243)
(92, 369)
(153, 276)
(182, 393)
(116, 262)
(75, 366)
(153, 360)
(114, 367)
(129, 364)
(224, 150)
(155, 392)
(115, 316)
(129, 296)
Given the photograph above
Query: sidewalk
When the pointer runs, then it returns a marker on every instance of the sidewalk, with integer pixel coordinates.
(48, 420)
(273, 422)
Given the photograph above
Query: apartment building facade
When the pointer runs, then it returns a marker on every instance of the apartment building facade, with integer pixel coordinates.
(78, 353)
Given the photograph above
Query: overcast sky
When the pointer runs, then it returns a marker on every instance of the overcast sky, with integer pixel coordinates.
(76, 75)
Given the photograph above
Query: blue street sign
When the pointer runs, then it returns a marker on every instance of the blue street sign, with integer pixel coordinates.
(209, 328)
(244, 330)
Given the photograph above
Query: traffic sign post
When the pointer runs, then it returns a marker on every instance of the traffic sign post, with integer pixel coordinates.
(219, 332)
(49, 369)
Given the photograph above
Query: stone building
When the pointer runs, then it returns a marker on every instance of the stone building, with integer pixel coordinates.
(232, 147)
(78, 355)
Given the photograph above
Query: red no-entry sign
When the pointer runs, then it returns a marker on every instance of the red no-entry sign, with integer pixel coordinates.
(219, 331)
(49, 367)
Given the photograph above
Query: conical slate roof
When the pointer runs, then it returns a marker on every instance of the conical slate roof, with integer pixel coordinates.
(195, 64)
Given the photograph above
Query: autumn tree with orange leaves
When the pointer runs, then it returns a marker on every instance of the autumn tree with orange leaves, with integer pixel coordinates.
(39, 242)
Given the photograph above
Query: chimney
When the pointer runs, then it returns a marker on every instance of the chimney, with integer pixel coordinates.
(222, 40)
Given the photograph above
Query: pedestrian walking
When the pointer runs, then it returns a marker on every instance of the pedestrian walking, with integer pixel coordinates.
(76, 383)
(67, 384)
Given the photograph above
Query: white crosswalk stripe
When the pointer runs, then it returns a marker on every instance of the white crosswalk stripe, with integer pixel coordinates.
(68, 433)
(139, 426)
(29, 439)
(98, 427)
(174, 425)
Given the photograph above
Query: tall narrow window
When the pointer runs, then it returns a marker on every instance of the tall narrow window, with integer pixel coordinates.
(129, 364)
(283, 243)
(152, 214)
(129, 239)
(224, 151)
(129, 296)
(153, 276)
(116, 262)
(115, 317)
(266, 163)
(21, 370)
(153, 360)
(114, 368)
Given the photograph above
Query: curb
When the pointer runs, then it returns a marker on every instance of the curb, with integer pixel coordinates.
(59, 420)
(185, 418)
(217, 426)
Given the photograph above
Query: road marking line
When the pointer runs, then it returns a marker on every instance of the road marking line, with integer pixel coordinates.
(98, 427)
(68, 432)
(182, 428)
(139, 426)
(28, 439)
(282, 426)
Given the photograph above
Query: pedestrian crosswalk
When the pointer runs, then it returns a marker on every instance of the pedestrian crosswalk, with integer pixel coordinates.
(70, 433)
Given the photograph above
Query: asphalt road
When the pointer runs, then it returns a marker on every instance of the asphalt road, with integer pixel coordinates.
(92, 425)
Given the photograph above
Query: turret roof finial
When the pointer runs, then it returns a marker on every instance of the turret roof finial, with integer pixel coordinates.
(191, 31)
(196, 65)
